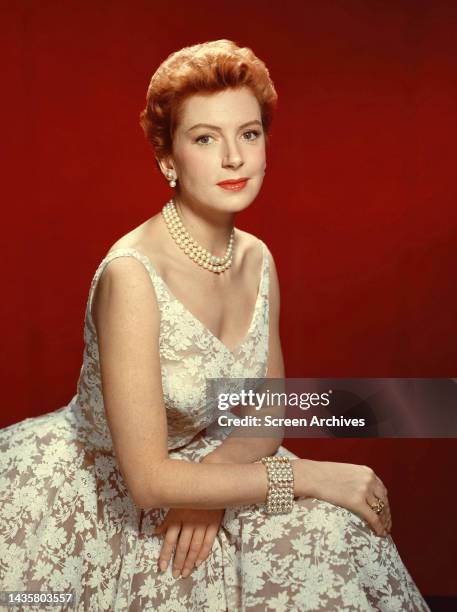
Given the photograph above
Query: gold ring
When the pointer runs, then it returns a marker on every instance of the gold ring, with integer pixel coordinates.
(378, 506)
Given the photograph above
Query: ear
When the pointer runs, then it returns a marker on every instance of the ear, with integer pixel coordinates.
(165, 164)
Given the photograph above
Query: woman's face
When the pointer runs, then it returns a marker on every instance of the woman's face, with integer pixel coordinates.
(229, 145)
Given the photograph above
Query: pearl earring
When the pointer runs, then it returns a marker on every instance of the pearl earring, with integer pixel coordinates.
(173, 179)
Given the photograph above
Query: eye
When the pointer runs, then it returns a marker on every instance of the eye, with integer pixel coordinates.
(200, 138)
(255, 132)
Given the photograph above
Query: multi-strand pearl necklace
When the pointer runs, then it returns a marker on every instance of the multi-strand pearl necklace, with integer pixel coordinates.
(196, 252)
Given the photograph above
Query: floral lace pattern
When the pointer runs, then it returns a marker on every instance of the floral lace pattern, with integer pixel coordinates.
(68, 523)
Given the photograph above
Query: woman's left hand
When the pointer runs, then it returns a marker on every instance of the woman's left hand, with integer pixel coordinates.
(193, 531)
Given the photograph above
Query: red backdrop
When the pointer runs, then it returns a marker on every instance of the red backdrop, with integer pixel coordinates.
(358, 205)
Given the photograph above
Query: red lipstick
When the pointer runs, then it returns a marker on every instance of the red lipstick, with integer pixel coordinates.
(234, 184)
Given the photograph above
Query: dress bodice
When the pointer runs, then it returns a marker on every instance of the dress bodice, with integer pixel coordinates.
(189, 354)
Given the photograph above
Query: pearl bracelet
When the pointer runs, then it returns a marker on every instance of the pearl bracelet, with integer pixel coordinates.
(280, 494)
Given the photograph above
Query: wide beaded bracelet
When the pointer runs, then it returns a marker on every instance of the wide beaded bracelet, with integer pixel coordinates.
(280, 494)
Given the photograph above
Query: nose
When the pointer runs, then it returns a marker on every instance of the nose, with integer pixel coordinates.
(232, 156)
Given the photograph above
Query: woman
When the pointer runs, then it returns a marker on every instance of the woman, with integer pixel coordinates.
(99, 494)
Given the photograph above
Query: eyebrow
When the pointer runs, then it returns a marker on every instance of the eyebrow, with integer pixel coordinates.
(215, 127)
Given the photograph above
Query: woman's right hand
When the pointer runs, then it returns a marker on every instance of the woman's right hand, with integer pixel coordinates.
(351, 486)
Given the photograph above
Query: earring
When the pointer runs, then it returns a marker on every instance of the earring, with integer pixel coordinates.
(171, 178)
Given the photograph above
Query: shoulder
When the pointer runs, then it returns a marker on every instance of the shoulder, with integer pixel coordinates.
(252, 247)
(256, 246)
(124, 284)
(136, 237)
(130, 274)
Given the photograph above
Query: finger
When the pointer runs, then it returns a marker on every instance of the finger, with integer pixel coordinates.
(382, 488)
(389, 525)
(376, 491)
(194, 548)
(385, 517)
(171, 537)
(207, 545)
(182, 549)
(373, 520)
(389, 521)
(381, 492)
(372, 499)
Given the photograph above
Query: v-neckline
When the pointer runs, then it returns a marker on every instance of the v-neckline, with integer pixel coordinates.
(196, 319)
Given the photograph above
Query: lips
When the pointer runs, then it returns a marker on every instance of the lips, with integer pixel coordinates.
(230, 186)
(233, 184)
(234, 181)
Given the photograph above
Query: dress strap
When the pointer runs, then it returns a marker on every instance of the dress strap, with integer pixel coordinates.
(265, 270)
(122, 252)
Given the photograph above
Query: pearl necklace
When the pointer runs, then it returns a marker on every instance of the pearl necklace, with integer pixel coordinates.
(185, 241)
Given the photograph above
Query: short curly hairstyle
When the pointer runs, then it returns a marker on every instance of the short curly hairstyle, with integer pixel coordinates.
(203, 68)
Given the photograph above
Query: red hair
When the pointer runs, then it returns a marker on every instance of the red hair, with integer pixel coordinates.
(204, 68)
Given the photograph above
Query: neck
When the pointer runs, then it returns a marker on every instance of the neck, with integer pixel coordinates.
(210, 228)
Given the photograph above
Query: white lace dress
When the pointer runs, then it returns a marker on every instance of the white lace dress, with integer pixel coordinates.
(68, 523)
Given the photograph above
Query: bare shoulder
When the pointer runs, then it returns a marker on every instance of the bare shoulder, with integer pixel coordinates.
(251, 248)
(253, 251)
(124, 279)
(121, 268)
(124, 286)
(138, 237)
(274, 291)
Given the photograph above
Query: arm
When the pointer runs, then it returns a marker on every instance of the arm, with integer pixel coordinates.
(127, 320)
(241, 449)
